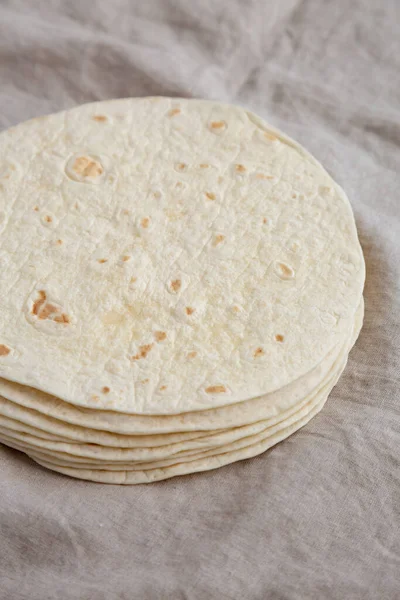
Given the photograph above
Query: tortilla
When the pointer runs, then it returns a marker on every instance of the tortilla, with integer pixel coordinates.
(163, 256)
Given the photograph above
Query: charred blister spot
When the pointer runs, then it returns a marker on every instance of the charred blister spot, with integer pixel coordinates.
(189, 310)
(216, 389)
(163, 388)
(43, 310)
(39, 302)
(173, 112)
(100, 118)
(218, 239)
(210, 195)
(145, 222)
(180, 167)
(48, 220)
(284, 271)
(192, 354)
(217, 127)
(175, 285)
(4, 350)
(258, 352)
(102, 260)
(279, 338)
(85, 169)
(160, 336)
(105, 390)
(143, 351)
(240, 168)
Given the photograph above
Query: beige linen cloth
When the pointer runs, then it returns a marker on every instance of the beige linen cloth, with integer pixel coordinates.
(318, 516)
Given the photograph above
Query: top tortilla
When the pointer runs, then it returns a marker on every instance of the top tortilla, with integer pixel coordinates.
(161, 256)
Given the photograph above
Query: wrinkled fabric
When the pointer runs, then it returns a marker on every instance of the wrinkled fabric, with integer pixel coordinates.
(316, 517)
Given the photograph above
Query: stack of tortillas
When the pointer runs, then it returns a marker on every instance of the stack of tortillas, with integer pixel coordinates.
(180, 287)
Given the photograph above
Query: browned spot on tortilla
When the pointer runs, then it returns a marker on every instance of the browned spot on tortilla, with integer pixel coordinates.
(176, 285)
(258, 352)
(216, 389)
(87, 167)
(162, 388)
(240, 168)
(63, 318)
(102, 260)
(59, 242)
(279, 337)
(160, 336)
(218, 239)
(284, 271)
(235, 308)
(4, 350)
(210, 195)
(125, 258)
(38, 303)
(217, 125)
(99, 118)
(145, 222)
(192, 354)
(265, 220)
(173, 112)
(189, 310)
(48, 219)
(180, 166)
(36, 208)
(143, 351)
(125, 211)
(105, 389)
(204, 166)
(133, 279)
(95, 398)
(76, 206)
(47, 310)
(144, 381)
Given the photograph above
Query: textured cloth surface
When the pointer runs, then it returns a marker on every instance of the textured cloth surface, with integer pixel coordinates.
(316, 517)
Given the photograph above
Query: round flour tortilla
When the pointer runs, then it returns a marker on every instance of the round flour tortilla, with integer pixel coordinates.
(162, 256)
